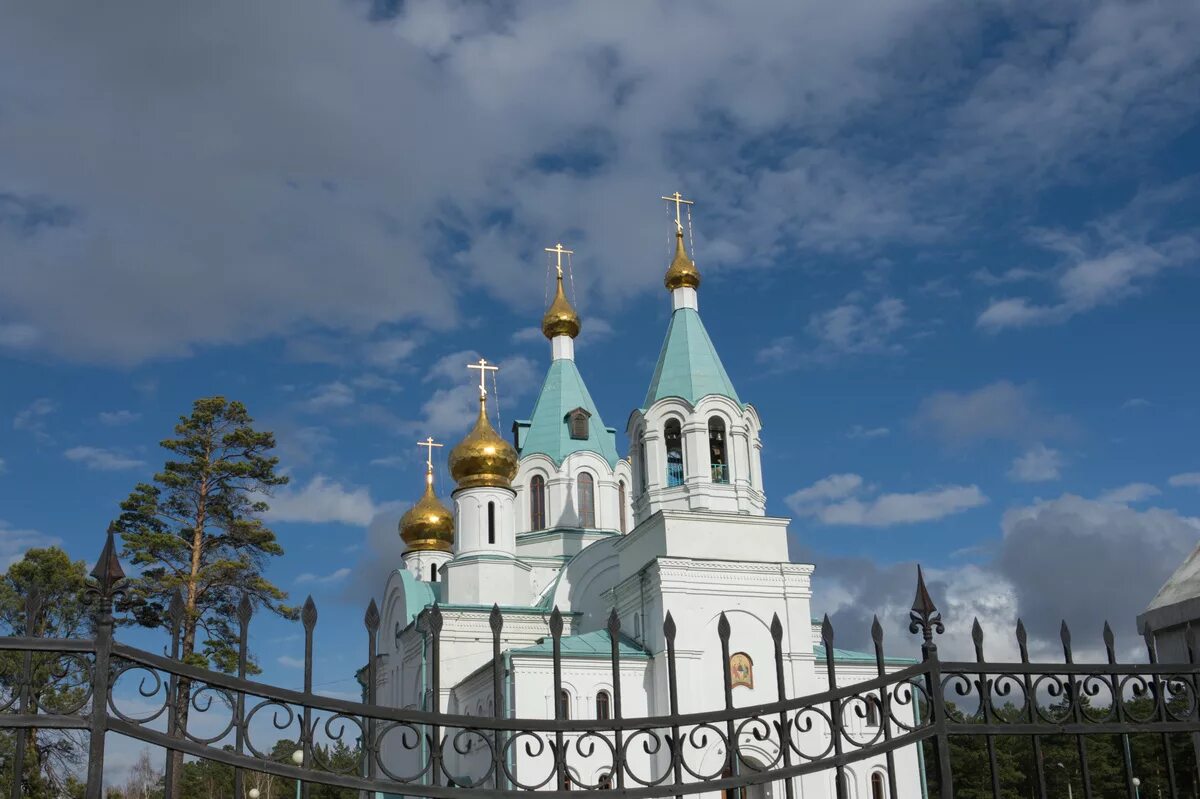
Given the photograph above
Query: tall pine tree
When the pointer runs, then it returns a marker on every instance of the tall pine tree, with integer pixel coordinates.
(197, 528)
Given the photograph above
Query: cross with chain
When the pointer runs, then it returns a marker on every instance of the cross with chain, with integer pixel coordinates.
(560, 251)
(677, 198)
(484, 367)
(429, 444)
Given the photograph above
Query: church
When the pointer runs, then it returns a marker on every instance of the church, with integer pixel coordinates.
(559, 518)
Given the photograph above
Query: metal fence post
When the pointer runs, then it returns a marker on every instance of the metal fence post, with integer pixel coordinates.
(109, 577)
(175, 617)
(244, 611)
(308, 617)
(33, 609)
(371, 622)
(926, 619)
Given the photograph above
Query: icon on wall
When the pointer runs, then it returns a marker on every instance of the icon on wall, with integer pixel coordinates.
(741, 670)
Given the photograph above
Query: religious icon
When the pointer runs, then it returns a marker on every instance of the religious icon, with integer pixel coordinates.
(741, 670)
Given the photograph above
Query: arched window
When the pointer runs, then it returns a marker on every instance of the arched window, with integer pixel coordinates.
(433, 572)
(872, 710)
(621, 504)
(641, 459)
(716, 450)
(602, 702)
(577, 424)
(877, 789)
(674, 439)
(586, 499)
(537, 503)
(564, 704)
(491, 522)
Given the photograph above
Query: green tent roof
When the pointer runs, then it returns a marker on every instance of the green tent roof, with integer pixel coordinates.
(593, 644)
(546, 431)
(850, 656)
(688, 365)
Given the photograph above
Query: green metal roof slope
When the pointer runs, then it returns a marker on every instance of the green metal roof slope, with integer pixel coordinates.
(548, 434)
(850, 656)
(593, 644)
(688, 365)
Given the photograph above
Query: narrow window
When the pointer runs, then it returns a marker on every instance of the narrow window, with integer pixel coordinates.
(716, 450)
(586, 491)
(621, 503)
(537, 503)
(491, 522)
(433, 572)
(564, 704)
(872, 711)
(577, 423)
(641, 460)
(602, 713)
(877, 789)
(674, 439)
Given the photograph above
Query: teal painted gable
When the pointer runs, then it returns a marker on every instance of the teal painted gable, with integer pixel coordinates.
(546, 431)
(688, 365)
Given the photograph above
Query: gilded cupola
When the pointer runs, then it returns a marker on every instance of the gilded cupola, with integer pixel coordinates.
(561, 318)
(428, 525)
(483, 458)
(682, 272)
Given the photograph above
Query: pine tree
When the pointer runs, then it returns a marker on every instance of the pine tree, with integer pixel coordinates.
(198, 529)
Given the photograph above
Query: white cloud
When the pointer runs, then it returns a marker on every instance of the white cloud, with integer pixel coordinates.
(329, 396)
(322, 500)
(1038, 464)
(997, 411)
(17, 336)
(450, 410)
(335, 576)
(289, 662)
(1062, 89)
(858, 431)
(3, 466)
(118, 418)
(1185, 479)
(854, 329)
(842, 499)
(1135, 402)
(102, 460)
(32, 419)
(390, 353)
(1127, 494)
(15, 542)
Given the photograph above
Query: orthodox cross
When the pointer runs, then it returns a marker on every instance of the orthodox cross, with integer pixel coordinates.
(560, 251)
(484, 367)
(677, 198)
(428, 444)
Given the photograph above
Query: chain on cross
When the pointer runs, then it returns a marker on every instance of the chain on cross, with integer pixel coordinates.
(677, 198)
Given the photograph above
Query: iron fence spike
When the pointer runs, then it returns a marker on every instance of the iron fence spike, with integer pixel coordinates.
(827, 633)
(1022, 636)
(776, 628)
(308, 613)
(723, 630)
(175, 609)
(876, 630)
(1109, 638)
(371, 618)
(496, 619)
(977, 632)
(614, 625)
(435, 619)
(556, 622)
(669, 627)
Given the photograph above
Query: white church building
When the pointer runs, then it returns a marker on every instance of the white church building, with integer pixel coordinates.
(559, 518)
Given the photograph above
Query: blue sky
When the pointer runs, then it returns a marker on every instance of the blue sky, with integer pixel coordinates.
(950, 253)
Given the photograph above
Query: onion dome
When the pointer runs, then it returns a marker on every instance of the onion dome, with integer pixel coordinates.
(682, 271)
(483, 458)
(428, 525)
(560, 318)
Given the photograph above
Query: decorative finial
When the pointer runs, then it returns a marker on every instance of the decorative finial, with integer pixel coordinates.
(682, 273)
(483, 458)
(924, 616)
(109, 576)
(484, 367)
(561, 318)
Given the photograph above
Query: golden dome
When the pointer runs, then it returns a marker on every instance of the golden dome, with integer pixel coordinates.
(682, 271)
(483, 458)
(560, 318)
(428, 525)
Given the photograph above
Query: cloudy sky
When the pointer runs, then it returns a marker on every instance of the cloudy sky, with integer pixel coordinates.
(950, 253)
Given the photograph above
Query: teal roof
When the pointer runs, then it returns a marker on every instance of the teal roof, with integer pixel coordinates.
(850, 656)
(418, 595)
(688, 365)
(547, 431)
(593, 644)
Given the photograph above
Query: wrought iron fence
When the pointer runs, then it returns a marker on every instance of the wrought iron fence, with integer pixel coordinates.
(947, 712)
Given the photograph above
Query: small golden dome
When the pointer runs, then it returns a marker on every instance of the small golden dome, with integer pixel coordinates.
(682, 271)
(428, 525)
(483, 458)
(560, 318)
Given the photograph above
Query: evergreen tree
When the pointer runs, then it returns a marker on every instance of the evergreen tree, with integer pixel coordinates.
(197, 528)
(51, 757)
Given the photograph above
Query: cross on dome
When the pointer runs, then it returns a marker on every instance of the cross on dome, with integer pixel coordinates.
(677, 198)
(560, 251)
(484, 367)
(429, 444)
